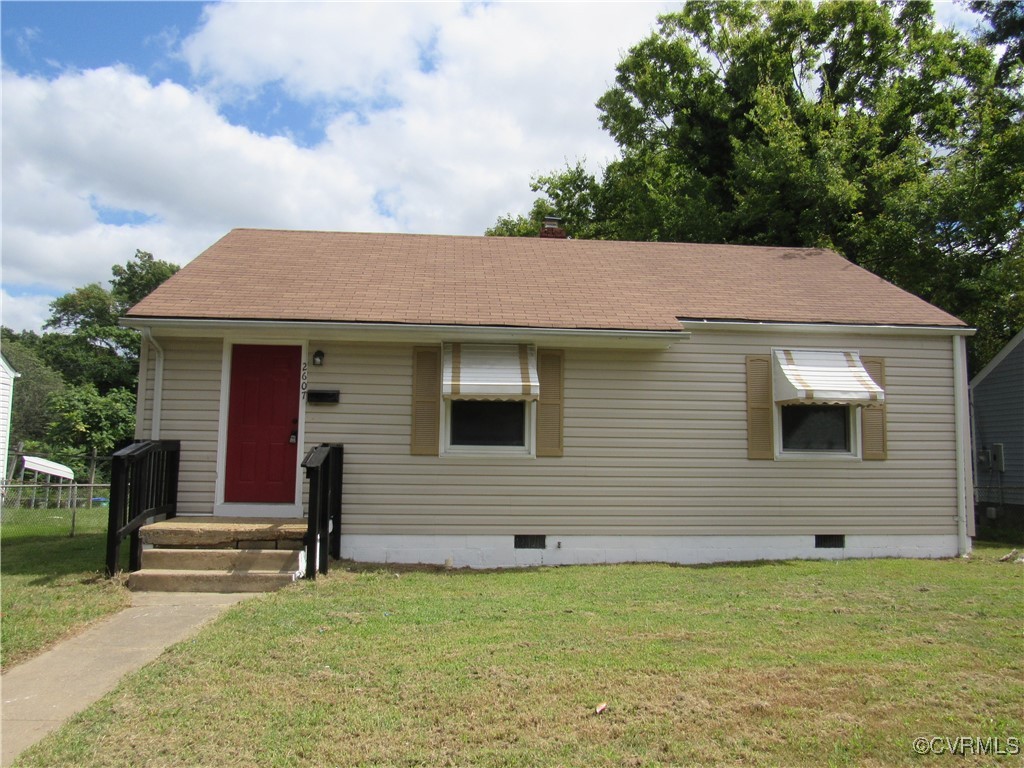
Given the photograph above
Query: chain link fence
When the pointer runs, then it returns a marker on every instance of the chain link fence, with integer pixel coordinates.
(37, 503)
(48, 509)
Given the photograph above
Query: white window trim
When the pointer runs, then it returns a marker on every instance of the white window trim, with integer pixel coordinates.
(854, 454)
(528, 451)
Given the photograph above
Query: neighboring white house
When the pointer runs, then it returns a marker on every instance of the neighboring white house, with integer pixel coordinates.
(997, 394)
(509, 401)
(7, 377)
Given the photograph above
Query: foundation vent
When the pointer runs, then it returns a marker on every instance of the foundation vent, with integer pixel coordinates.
(530, 541)
(830, 541)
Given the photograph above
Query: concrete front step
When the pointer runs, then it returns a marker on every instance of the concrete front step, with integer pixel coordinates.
(239, 560)
(163, 580)
(220, 554)
(226, 532)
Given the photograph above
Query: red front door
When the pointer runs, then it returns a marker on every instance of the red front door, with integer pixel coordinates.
(263, 424)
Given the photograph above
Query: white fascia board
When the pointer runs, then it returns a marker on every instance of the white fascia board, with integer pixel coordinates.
(419, 334)
(820, 328)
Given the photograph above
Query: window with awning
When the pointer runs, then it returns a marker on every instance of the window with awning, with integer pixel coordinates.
(823, 377)
(490, 372)
(487, 399)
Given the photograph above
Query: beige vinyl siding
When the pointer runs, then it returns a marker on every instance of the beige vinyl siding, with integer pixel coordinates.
(655, 442)
(144, 394)
(190, 412)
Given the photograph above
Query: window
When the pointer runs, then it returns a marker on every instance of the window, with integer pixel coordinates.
(489, 394)
(816, 428)
(814, 404)
(488, 422)
(494, 399)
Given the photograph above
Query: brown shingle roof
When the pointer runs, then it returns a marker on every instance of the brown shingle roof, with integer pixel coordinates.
(256, 274)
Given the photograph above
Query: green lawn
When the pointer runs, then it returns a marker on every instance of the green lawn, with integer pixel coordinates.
(52, 584)
(763, 664)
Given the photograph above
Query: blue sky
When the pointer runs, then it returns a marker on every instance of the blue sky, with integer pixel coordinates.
(43, 38)
(162, 125)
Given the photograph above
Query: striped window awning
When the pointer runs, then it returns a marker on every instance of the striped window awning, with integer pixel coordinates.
(490, 372)
(820, 377)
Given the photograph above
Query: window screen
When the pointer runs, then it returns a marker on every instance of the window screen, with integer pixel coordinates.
(816, 428)
(488, 422)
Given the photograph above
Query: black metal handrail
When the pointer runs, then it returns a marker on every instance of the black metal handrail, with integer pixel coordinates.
(324, 467)
(143, 485)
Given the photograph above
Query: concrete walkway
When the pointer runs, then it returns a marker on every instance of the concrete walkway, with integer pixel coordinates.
(40, 694)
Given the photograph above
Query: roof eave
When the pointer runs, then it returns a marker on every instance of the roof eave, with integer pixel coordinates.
(406, 332)
(774, 326)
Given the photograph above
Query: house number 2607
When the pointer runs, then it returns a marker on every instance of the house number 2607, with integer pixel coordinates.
(304, 385)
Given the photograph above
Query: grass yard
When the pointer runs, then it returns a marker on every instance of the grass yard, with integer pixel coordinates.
(53, 584)
(765, 664)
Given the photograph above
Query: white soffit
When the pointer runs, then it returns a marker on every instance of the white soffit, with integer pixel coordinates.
(490, 372)
(823, 377)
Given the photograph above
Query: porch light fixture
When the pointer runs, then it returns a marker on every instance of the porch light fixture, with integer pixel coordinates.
(318, 357)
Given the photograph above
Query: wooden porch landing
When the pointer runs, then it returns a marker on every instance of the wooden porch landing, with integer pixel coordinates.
(220, 554)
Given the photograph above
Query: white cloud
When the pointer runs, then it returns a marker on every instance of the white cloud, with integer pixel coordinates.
(509, 92)
(317, 50)
(20, 312)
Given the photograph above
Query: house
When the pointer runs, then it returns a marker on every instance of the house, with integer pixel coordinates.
(513, 401)
(997, 397)
(7, 377)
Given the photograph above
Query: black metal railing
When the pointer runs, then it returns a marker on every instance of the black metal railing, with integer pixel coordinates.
(324, 466)
(143, 485)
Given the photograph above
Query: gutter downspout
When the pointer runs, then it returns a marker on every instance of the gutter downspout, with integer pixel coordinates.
(158, 384)
(961, 418)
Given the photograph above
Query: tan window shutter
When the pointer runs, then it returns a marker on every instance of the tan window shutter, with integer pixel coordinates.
(760, 442)
(551, 373)
(874, 443)
(426, 401)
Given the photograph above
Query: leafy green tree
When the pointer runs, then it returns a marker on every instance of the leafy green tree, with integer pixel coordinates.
(89, 345)
(1006, 19)
(30, 418)
(513, 226)
(74, 396)
(858, 126)
(86, 423)
(138, 278)
(521, 226)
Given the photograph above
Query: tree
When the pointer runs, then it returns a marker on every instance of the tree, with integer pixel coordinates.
(75, 392)
(30, 418)
(86, 423)
(137, 279)
(862, 127)
(90, 346)
(521, 226)
(1006, 19)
